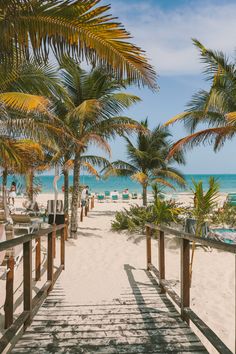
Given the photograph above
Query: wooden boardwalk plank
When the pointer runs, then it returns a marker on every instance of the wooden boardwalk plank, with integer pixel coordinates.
(141, 320)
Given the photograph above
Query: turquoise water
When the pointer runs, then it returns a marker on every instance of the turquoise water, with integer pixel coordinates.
(227, 183)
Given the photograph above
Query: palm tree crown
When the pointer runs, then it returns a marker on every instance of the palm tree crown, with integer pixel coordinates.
(216, 107)
(80, 28)
(147, 160)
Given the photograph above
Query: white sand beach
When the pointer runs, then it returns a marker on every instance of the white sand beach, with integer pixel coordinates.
(95, 270)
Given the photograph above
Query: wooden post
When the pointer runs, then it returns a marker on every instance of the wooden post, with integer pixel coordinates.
(185, 278)
(93, 202)
(50, 260)
(27, 280)
(54, 234)
(9, 302)
(66, 226)
(81, 213)
(87, 205)
(63, 233)
(161, 258)
(86, 209)
(38, 259)
(149, 246)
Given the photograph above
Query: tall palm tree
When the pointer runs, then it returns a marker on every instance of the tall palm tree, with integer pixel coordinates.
(90, 112)
(89, 163)
(81, 28)
(147, 160)
(216, 107)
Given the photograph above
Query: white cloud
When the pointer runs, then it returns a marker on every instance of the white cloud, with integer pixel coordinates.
(166, 35)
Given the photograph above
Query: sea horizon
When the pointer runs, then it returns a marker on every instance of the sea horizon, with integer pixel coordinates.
(227, 183)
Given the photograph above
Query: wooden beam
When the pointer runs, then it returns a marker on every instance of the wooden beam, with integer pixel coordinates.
(185, 278)
(50, 260)
(200, 240)
(27, 279)
(54, 234)
(63, 234)
(161, 257)
(9, 301)
(148, 246)
(28, 237)
(207, 332)
(38, 259)
(81, 214)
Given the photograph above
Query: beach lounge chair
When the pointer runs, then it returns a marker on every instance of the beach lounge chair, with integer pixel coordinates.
(134, 195)
(115, 197)
(101, 197)
(107, 194)
(125, 197)
(24, 222)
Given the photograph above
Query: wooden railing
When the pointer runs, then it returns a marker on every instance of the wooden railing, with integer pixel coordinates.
(89, 206)
(30, 305)
(183, 301)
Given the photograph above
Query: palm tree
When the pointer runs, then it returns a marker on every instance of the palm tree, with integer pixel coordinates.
(89, 163)
(90, 113)
(147, 160)
(204, 204)
(81, 28)
(215, 107)
(17, 156)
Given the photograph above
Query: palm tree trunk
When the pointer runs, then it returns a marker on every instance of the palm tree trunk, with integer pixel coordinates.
(75, 197)
(144, 195)
(4, 188)
(66, 191)
(30, 189)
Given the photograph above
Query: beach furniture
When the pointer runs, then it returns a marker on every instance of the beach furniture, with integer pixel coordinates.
(107, 194)
(125, 196)
(115, 197)
(31, 208)
(101, 197)
(134, 195)
(190, 227)
(24, 222)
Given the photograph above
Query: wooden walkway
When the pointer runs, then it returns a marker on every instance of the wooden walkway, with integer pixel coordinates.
(141, 320)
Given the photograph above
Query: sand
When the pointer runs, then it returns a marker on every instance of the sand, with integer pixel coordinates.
(95, 270)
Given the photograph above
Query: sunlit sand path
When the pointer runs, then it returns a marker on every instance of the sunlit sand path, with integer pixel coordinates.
(105, 301)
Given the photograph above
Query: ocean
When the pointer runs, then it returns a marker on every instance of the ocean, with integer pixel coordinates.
(227, 183)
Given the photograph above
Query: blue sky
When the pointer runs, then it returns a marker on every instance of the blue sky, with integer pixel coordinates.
(164, 28)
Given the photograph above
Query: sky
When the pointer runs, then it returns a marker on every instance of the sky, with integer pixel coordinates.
(164, 29)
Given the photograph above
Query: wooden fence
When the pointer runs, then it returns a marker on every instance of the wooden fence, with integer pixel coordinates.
(30, 305)
(183, 301)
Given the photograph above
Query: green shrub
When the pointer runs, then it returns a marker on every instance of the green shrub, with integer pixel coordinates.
(135, 218)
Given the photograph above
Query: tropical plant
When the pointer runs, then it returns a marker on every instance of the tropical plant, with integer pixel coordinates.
(215, 107)
(80, 28)
(90, 113)
(136, 217)
(147, 160)
(225, 217)
(204, 204)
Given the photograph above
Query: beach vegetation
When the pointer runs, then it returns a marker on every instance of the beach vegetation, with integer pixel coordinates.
(204, 204)
(147, 160)
(215, 108)
(91, 114)
(136, 217)
(81, 29)
(225, 216)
